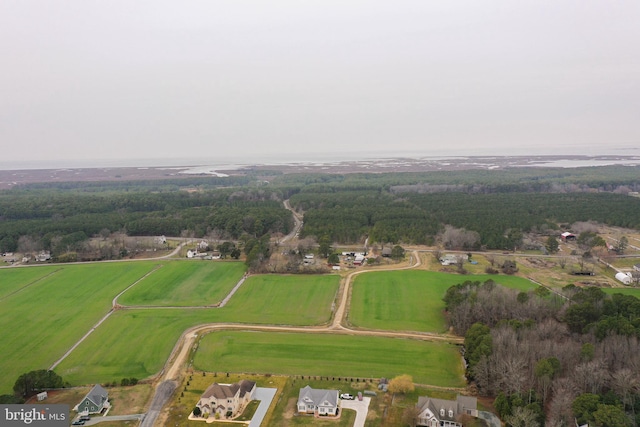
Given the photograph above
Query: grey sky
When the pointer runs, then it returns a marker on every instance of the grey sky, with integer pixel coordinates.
(86, 80)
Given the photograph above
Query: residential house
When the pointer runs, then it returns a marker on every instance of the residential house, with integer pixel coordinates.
(359, 259)
(445, 413)
(203, 245)
(318, 401)
(94, 402)
(227, 400)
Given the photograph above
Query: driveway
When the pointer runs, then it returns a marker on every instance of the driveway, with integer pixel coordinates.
(361, 408)
(265, 396)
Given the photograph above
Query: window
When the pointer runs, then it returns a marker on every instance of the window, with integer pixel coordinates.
(450, 413)
(442, 412)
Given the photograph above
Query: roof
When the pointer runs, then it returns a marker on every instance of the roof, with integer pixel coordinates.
(97, 395)
(318, 397)
(457, 406)
(223, 391)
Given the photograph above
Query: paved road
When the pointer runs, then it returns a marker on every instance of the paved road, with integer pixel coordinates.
(361, 407)
(162, 396)
(265, 396)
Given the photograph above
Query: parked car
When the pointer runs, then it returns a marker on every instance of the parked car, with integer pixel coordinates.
(346, 396)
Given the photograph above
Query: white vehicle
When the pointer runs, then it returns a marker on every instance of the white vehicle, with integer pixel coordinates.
(346, 396)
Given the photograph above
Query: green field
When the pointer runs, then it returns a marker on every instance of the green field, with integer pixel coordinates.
(626, 291)
(183, 283)
(43, 320)
(19, 279)
(410, 300)
(137, 342)
(330, 355)
(285, 300)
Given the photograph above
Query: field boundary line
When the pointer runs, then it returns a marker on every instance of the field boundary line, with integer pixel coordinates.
(29, 284)
(101, 321)
(114, 302)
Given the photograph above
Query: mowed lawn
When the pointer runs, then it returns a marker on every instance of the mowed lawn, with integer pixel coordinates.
(434, 363)
(410, 300)
(42, 321)
(186, 283)
(137, 342)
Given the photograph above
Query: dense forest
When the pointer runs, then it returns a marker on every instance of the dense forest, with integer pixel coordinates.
(491, 209)
(551, 359)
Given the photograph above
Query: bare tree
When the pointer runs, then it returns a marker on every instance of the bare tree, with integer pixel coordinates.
(410, 416)
(562, 262)
(522, 417)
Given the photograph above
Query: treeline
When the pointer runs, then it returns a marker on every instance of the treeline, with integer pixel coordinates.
(491, 209)
(523, 179)
(499, 219)
(548, 362)
(53, 216)
(166, 184)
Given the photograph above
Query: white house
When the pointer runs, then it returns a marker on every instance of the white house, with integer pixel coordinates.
(318, 402)
(227, 400)
(444, 413)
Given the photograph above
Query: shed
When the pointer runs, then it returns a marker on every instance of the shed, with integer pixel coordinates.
(625, 278)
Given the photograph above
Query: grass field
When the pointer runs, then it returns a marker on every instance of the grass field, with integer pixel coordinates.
(42, 321)
(626, 291)
(410, 300)
(288, 299)
(19, 279)
(184, 283)
(137, 342)
(330, 355)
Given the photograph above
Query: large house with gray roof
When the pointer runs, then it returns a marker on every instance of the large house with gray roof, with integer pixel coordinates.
(445, 413)
(227, 400)
(94, 402)
(318, 402)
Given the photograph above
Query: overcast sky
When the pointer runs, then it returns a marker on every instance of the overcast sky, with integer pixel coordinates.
(84, 80)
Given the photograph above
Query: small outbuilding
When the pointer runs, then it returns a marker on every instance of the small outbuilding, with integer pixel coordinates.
(566, 236)
(625, 278)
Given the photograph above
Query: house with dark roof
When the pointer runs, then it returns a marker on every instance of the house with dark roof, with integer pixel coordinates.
(94, 402)
(445, 413)
(227, 400)
(318, 401)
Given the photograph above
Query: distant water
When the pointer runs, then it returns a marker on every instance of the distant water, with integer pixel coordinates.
(590, 157)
